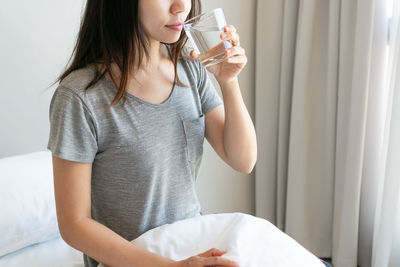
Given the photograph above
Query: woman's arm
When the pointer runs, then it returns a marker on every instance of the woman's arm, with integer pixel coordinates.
(72, 194)
(230, 130)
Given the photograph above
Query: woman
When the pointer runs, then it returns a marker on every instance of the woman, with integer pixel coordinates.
(128, 121)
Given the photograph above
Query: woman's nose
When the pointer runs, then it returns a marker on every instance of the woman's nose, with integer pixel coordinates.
(179, 6)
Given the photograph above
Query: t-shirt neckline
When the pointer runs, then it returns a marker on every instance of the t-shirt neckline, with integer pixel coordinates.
(138, 99)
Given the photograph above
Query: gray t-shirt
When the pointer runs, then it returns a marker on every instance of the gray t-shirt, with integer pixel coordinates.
(145, 156)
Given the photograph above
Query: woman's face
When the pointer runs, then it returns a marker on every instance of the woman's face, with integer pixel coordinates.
(158, 16)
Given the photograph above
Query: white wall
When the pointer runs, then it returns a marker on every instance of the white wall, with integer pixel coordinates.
(36, 41)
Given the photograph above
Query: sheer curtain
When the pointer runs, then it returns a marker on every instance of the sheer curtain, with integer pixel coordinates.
(386, 241)
(322, 125)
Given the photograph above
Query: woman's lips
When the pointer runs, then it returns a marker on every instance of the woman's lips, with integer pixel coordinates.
(177, 27)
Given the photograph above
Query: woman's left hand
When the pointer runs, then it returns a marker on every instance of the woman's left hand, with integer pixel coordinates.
(228, 70)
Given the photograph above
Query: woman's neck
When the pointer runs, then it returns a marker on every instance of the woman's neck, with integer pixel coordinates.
(158, 54)
(159, 57)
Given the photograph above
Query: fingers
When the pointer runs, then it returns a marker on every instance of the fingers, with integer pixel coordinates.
(219, 261)
(236, 54)
(212, 257)
(230, 28)
(230, 34)
(239, 59)
(212, 252)
(194, 55)
(218, 253)
(235, 51)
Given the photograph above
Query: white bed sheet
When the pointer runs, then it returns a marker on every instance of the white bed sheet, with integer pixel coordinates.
(52, 253)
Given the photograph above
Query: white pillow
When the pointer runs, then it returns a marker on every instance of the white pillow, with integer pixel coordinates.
(248, 240)
(27, 206)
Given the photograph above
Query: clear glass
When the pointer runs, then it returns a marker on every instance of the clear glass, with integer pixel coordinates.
(204, 31)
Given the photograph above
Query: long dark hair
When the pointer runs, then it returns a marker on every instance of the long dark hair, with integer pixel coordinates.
(110, 31)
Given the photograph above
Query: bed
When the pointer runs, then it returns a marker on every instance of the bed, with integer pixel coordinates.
(30, 235)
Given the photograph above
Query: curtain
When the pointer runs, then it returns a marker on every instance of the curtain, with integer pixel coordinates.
(320, 121)
(386, 241)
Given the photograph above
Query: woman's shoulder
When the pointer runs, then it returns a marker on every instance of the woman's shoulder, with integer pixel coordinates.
(78, 79)
(75, 83)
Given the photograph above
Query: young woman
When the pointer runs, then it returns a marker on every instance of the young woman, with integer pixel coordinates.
(128, 121)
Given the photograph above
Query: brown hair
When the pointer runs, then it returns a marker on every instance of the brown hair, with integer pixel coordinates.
(110, 31)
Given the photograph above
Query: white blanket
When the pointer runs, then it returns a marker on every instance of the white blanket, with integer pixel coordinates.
(248, 240)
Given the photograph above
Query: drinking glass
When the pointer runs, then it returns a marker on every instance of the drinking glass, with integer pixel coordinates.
(204, 32)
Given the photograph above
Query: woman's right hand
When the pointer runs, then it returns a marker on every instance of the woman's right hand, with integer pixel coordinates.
(211, 257)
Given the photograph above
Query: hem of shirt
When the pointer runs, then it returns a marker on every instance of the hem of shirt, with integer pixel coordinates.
(208, 109)
(69, 156)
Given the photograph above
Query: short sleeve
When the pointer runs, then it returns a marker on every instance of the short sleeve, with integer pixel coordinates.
(72, 128)
(208, 94)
